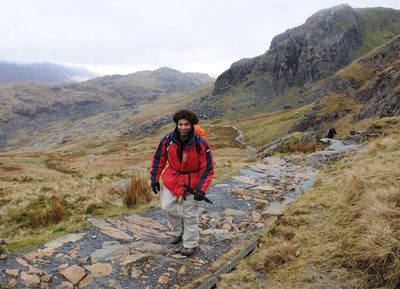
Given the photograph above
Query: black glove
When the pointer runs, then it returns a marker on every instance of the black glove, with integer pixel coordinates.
(199, 198)
(155, 186)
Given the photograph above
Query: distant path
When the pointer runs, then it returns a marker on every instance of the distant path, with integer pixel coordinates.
(239, 139)
(91, 158)
(53, 136)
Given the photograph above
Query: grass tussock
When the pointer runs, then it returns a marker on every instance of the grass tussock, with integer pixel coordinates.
(41, 212)
(276, 254)
(343, 233)
(138, 191)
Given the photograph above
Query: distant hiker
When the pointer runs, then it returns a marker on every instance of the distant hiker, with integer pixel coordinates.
(190, 162)
(331, 133)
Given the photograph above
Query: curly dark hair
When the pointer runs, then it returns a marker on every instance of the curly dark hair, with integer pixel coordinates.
(185, 114)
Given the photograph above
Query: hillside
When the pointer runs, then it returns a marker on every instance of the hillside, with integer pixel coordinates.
(26, 106)
(78, 151)
(293, 72)
(368, 88)
(299, 61)
(42, 73)
(341, 233)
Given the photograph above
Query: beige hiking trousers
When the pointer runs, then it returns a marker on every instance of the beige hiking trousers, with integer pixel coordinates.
(182, 216)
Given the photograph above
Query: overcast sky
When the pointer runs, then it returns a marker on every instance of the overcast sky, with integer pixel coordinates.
(125, 36)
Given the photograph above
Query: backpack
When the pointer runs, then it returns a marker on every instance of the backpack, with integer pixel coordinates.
(201, 131)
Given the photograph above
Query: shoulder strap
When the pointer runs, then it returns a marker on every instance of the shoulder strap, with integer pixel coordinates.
(197, 143)
(168, 142)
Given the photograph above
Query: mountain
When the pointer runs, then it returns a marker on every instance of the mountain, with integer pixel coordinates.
(27, 106)
(303, 65)
(42, 73)
(147, 85)
(368, 88)
(299, 61)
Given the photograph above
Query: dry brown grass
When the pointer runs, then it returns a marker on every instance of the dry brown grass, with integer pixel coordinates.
(308, 148)
(53, 214)
(275, 254)
(88, 183)
(343, 233)
(138, 191)
(6, 168)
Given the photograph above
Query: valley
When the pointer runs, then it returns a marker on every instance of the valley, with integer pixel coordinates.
(74, 162)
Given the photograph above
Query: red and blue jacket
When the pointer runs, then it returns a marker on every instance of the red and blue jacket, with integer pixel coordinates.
(193, 166)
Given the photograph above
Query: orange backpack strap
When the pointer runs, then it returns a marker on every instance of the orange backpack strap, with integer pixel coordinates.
(200, 131)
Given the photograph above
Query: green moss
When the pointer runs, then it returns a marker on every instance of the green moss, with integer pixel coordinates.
(60, 229)
(295, 136)
(99, 176)
(39, 203)
(18, 216)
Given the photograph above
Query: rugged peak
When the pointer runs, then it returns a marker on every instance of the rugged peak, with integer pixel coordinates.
(290, 72)
(298, 58)
(325, 43)
(323, 20)
(330, 14)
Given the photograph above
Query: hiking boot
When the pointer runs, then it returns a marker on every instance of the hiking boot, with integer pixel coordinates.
(187, 251)
(176, 239)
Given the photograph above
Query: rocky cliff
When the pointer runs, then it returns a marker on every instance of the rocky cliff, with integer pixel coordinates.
(367, 88)
(289, 72)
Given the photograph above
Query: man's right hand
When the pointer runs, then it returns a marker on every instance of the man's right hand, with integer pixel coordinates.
(155, 186)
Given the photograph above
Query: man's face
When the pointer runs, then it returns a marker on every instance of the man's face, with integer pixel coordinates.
(184, 127)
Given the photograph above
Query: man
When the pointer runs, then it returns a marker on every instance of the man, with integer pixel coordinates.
(331, 133)
(190, 161)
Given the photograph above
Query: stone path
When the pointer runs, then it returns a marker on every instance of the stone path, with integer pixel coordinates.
(134, 251)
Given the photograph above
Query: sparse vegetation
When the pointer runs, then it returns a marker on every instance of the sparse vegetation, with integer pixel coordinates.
(99, 192)
(343, 232)
(357, 71)
(336, 102)
(261, 129)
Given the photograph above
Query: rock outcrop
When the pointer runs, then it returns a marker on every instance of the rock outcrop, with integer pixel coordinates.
(289, 72)
(377, 93)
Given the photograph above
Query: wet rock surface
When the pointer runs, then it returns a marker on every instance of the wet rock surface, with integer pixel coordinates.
(134, 251)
